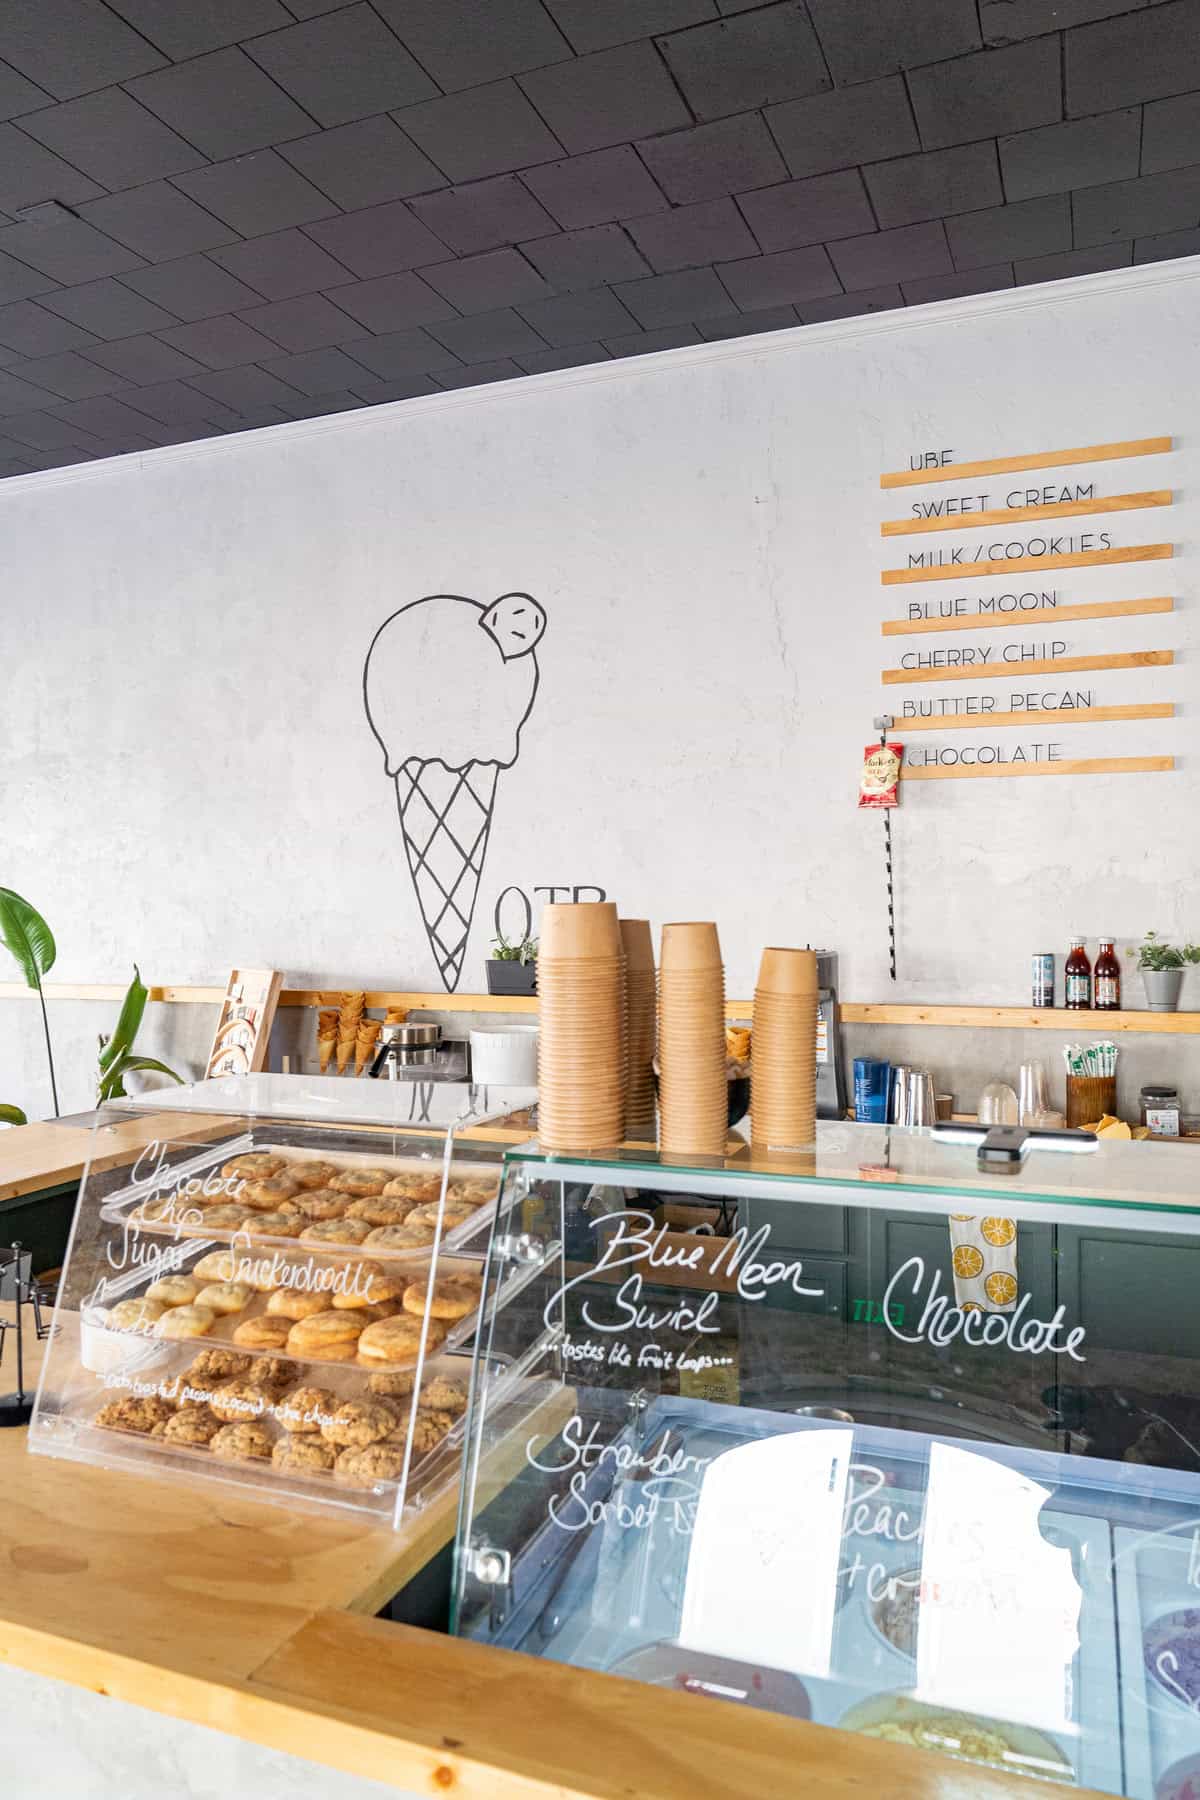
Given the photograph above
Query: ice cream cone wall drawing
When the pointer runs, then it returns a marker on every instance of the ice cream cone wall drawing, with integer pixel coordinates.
(448, 684)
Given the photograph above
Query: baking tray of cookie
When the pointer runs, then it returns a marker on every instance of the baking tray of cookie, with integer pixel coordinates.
(325, 1308)
(281, 1195)
(329, 1436)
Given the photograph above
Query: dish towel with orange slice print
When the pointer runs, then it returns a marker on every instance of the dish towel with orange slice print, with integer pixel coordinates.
(983, 1254)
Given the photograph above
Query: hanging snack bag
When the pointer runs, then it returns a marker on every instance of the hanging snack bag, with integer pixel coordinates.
(879, 782)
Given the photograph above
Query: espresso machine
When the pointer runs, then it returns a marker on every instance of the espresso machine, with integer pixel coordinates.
(831, 1066)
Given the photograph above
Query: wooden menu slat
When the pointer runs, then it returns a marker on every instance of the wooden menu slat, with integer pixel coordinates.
(1083, 765)
(1021, 565)
(1041, 665)
(1037, 615)
(1080, 715)
(1039, 459)
(1006, 515)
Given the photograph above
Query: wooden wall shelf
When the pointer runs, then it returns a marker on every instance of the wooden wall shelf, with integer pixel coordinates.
(1023, 1018)
(881, 1012)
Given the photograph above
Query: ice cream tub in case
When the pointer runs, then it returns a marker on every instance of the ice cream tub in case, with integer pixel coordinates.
(993, 1743)
(1158, 1608)
(1181, 1781)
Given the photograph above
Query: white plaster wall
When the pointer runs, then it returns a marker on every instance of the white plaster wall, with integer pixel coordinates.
(188, 776)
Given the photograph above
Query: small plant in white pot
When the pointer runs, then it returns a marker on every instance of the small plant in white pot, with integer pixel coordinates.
(1162, 968)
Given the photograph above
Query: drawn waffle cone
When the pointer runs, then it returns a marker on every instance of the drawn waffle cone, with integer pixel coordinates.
(446, 818)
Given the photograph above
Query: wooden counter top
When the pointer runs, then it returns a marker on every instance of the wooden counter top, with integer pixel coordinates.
(34, 1157)
(258, 1620)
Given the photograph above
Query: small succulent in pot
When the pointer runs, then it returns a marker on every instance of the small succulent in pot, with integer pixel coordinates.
(512, 967)
(1162, 968)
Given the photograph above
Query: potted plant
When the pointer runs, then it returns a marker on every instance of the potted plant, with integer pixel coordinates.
(512, 968)
(1162, 969)
(117, 1057)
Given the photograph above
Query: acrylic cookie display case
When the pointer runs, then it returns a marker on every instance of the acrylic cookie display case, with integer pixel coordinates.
(774, 1447)
(273, 1304)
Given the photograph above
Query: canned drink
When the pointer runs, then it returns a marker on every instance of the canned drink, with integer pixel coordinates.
(1043, 980)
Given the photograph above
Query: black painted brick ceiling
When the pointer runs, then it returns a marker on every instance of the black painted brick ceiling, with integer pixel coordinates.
(225, 214)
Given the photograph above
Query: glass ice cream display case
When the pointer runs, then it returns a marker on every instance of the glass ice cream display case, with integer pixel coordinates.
(865, 1435)
(275, 1300)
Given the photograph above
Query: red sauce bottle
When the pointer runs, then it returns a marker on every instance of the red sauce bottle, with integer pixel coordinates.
(1078, 973)
(1106, 978)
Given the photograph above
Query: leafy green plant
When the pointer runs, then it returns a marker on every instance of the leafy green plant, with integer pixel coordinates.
(117, 1058)
(524, 952)
(25, 933)
(12, 1115)
(1154, 954)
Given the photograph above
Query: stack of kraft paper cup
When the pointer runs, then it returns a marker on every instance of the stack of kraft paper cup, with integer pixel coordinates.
(693, 1098)
(582, 1062)
(640, 1021)
(783, 1051)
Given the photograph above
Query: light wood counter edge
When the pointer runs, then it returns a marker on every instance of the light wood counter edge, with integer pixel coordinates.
(442, 1716)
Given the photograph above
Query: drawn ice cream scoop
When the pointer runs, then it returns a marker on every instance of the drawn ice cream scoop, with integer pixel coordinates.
(448, 683)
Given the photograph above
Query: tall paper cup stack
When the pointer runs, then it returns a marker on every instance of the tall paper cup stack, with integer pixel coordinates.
(640, 1004)
(783, 1051)
(582, 1067)
(692, 1095)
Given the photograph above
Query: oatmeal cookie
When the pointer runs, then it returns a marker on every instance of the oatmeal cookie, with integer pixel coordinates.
(248, 1441)
(357, 1423)
(216, 1365)
(135, 1412)
(429, 1428)
(392, 1384)
(193, 1426)
(439, 1393)
(277, 1372)
(305, 1409)
(235, 1400)
(363, 1468)
(303, 1456)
